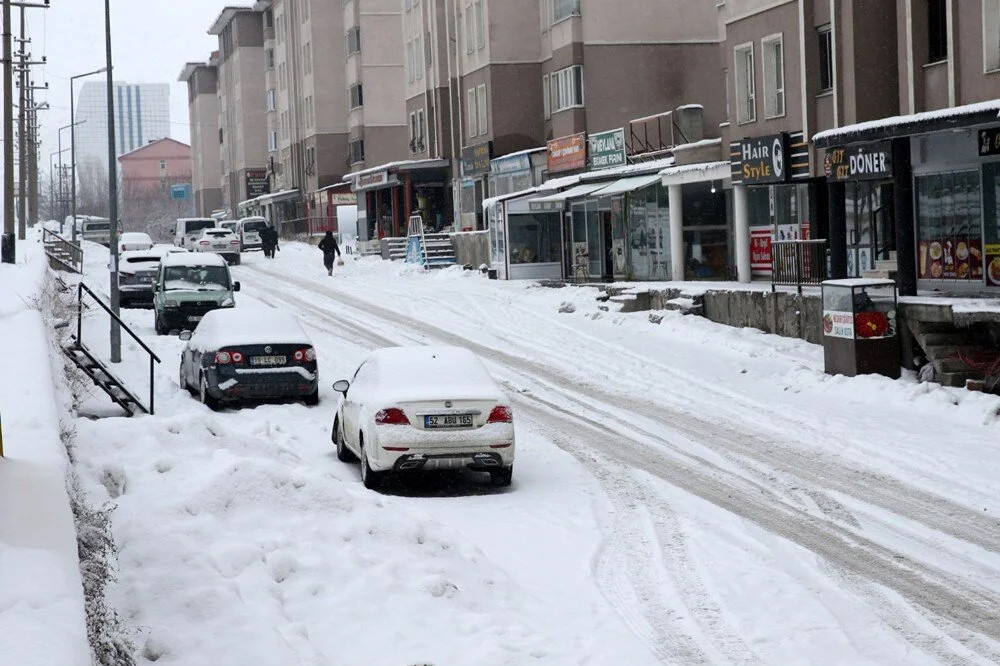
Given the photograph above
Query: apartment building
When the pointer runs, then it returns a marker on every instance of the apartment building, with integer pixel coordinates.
(242, 112)
(306, 98)
(142, 115)
(202, 81)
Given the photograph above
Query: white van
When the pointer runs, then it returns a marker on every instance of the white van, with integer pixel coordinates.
(97, 230)
(188, 229)
(248, 231)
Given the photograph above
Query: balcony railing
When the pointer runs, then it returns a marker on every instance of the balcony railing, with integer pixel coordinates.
(798, 262)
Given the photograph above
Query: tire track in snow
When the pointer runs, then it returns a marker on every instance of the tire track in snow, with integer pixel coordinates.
(967, 607)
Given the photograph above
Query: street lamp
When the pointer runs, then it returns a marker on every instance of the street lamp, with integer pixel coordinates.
(72, 140)
(62, 177)
(52, 188)
(116, 331)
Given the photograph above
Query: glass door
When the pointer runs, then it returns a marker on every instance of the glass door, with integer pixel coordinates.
(863, 202)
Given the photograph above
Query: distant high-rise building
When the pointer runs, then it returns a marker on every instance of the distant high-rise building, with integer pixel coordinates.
(142, 115)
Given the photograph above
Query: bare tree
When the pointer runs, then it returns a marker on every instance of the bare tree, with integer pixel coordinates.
(149, 206)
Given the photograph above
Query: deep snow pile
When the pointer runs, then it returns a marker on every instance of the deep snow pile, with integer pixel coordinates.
(41, 597)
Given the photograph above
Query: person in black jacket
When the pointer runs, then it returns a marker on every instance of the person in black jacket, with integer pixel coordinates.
(331, 250)
(269, 241)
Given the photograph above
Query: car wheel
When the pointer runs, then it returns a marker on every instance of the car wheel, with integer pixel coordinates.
(344, 454)
(158, 325)
(312, 399)
(206, 397)
(502, 477)
(369, 477)
(181, 381)
(237, 260)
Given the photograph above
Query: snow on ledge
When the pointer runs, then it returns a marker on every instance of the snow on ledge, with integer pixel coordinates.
(832, 135)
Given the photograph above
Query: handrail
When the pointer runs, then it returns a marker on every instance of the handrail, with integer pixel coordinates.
(69, 243)
(75, 251)
(81, 287)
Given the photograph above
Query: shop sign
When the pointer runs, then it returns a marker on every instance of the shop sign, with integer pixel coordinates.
(511, 164)
(476, 159)
(761, 261)
(865, 161)
(837, 324)
(568, 153)
(993, 264)
(762, 159)
(607, 149)
(343, 199)
(371, 180)
(257, 182)
(989, 142)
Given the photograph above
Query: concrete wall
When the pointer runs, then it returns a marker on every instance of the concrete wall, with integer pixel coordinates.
(472, 248)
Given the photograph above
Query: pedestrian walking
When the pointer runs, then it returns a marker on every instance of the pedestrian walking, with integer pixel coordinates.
(331, 250)
(269, 241)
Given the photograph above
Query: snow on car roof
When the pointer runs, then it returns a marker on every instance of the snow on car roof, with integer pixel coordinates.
(432, 372)
(193, 259)
(232, 327)
(134, 235)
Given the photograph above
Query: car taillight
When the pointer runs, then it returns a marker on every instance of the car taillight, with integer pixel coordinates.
(501, 414)
(391, 416)
(202, 242)
(223, 358)
(237, 357)
(307, 354)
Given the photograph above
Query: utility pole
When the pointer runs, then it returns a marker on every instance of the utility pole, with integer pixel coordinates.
(7, 249)
(22, 139)
(116, 331)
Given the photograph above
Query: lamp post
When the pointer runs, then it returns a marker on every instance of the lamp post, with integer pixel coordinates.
(116, 331)
(7, 243)
(52, 185)
(62, 178)
(72, 141)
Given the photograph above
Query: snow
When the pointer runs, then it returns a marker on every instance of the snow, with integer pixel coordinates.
(41, 598)
(831, 136)
(413, 373)
(860, 282)
(398, 164)
(235, 327)
(193, 259)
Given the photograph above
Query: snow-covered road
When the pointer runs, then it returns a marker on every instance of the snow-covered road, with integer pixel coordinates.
(684, 493)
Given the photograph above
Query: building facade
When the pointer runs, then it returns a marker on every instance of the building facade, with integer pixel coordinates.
(142, 115)
(242, 112)
(202, 80)
(156, 187)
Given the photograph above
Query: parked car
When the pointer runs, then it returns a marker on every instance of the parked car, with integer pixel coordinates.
(248, 230)
(97, 230)
(134, 240)
(229, 224)
(424, 408)
(220, 241)
(188, 286)
(236, 355)
(137, 271)
(188, 228)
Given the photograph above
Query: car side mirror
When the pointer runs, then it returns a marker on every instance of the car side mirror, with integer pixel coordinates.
(236, 286)
(342, 386)
(184, 335)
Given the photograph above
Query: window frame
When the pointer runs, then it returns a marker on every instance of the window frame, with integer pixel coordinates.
(773, 87)
(471, 115)
(824, 36)
(482, 110)
(570, 8)
(941, 54)
(354, 32)
(991, 36)
(746, 97)
(566, 89)
(480, 20)
(360, 96)
(546, 97)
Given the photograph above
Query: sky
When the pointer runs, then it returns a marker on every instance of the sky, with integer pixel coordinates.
(151, 42)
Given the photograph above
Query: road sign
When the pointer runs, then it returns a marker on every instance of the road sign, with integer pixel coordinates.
(179, 191)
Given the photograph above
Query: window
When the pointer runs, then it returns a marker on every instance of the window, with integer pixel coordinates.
(272, 141)
(282, 76)
(272, 100)
(354, 40)
(481, 108)
(774, 76)
(269, 57)
(546, 97)
(746, 94)
(409, 62)
(356, 151)
(937, 30)
(310, 159)
(950, 226)
(825, 35)
(428, 51)
(417, 131)
(163, 165)
(268, 19)
(307, 58)
(546, 9)
(991, 35)
(357, 96)
(567, 88)
(417, 48)
(564, 9)
(471, 109)
(470, 34)
(480, 25)
(310, 121)
(408, 5)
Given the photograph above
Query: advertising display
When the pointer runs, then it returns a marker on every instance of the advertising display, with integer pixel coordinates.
(607, 149)
(568, 153)
(760, 251)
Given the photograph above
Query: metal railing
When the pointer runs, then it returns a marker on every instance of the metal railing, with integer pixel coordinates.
(798, 262)
(153, 358)
(61, 252)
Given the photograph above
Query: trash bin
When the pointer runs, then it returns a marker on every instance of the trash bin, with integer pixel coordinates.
(859, 327)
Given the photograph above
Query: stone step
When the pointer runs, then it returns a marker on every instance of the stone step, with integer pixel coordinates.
(957, 379)
(943, 338)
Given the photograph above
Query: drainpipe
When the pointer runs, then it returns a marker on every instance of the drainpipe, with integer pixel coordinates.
(451, 96)
(676, 232)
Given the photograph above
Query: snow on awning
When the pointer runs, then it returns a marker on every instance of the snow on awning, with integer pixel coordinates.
(557, 201)
(917, 123)
(696, 173)
(627, 185)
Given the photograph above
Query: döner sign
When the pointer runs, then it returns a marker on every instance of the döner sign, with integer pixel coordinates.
(868, 161)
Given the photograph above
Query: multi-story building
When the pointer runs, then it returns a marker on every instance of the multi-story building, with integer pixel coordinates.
(142, 115)
(202, 80)
(152, 177)
(242, 111)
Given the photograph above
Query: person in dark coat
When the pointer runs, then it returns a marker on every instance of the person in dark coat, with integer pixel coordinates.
(331, 250)
(269, 241)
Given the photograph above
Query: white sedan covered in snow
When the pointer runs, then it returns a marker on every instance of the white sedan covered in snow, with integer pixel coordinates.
(424, 408)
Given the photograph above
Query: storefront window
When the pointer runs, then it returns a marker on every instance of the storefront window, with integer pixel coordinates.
(949, 227)
(706, 233)
(991, 208)
(580, 268)
(534, 238)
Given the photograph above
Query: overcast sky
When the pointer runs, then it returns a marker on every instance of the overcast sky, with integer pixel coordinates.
(152, 39)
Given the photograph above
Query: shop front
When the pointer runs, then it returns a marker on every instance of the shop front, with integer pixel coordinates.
(332, 203)
(524, 244)
(517, 172)
(389, 195)
(475, 164)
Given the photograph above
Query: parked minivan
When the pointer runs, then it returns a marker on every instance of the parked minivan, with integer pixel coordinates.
(189, 285)
(248, 232)
(97, 230)
(188, 229)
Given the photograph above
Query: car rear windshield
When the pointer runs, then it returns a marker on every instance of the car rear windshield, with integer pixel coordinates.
(198, 225)
(254, 226)
(218, 232)
(142, 260)
(196, 278)
(97, 226)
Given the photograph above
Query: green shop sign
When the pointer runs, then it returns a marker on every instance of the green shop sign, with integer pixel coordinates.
(607, 149)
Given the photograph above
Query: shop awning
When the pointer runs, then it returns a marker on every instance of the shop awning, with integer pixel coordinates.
(558, 200)
(625, 185)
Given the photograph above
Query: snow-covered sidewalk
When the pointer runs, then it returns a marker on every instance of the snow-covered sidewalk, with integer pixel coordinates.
(41, 596)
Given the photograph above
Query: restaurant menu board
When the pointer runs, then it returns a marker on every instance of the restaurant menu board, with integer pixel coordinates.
(838, 324)
(953, 259)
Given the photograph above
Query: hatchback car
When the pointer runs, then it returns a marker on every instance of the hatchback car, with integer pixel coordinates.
(424, 408)
(220, 241)
(246, 354)
(137, 271)
(134, 240)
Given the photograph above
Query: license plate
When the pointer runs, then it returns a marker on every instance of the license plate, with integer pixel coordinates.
(448, 421)
(268, 360)
(194, 318)
(146, 278)
(220, 246)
